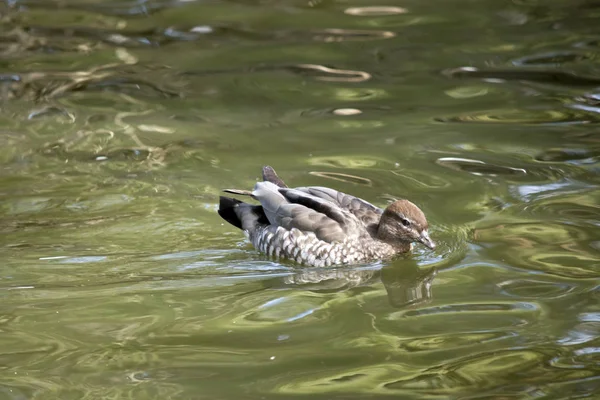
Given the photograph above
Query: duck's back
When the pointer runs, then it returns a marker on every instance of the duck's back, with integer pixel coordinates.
(366, 212)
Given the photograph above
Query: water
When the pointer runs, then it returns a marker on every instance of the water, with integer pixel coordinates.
(121, 121)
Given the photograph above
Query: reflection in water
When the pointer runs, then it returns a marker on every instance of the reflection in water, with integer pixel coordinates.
(347, 162)
(551, 248)
(335, 75)
(467, 92)
(557, 58)
(337, 176)
(570, 155)
(525, 117)
(375, 11)
(551, 76)
(347, 111)
(339, 35)
(331, 278)
(408, 285)
(43, 86)
(51, 112)
(478, 167)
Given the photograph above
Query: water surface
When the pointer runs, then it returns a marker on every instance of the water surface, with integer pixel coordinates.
(120, 121)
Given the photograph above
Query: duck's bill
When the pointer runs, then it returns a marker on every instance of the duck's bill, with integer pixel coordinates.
(426, 240)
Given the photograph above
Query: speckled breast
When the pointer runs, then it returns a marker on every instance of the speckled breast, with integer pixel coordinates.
(305, 248)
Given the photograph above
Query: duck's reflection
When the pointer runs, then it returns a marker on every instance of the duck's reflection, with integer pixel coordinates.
(405, 282)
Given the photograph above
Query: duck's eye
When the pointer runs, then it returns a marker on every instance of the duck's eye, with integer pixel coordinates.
(405, 222)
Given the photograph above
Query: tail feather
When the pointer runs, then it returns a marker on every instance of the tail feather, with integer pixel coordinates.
(270, 175)
(246, 216)
(227, 208)
(240, 192)
(241, 215)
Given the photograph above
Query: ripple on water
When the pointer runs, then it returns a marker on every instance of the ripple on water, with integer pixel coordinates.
(492, 370)
(579, 358)
(421, 179)
(478, 167)
(27, 205)
(590, 98)
(576, 208)
(535, 289)
(344, 35)
(375, 11)
(582, 338)
(323, 73)
(553, 58)
(552, 76)
(483, 370)
(541, 191)
(527, 117)
(466, 317)
(350, 162)
(55, 113)
(467, 92)
(283, 310)
(577, 156)
(338, 176)
(553, 248)
(452, 342)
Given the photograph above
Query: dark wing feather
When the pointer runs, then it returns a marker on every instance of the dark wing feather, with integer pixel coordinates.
(269, 175)
(366, 212)
(328, 208)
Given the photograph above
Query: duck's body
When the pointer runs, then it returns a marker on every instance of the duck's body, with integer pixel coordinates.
(320, 227)
(306, 248)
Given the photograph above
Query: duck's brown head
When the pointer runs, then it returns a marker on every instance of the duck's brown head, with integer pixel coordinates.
(402, 221)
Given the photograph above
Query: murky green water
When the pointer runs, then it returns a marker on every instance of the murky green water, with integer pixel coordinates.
(120, 121)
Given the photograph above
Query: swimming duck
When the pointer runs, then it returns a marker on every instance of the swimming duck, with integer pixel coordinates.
(318, 226)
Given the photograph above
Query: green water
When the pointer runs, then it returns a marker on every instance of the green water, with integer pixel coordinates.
(120, 122)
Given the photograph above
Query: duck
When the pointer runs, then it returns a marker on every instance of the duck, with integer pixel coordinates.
(322, 227)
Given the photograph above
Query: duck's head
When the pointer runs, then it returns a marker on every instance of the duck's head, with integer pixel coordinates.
(402, 221)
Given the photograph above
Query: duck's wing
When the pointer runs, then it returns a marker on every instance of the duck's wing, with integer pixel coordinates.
(366, 212)
(290, 208)
(269, 175)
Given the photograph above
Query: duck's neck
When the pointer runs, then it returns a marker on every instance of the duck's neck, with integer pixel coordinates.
(384, 231)
(385, 235)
